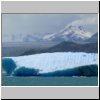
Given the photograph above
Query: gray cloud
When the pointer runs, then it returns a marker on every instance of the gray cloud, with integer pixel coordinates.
(23, 24)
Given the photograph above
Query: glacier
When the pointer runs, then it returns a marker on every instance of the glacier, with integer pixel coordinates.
(57, 63)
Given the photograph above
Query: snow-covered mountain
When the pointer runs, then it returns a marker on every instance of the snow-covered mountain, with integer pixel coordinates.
(94, 38)
(72, 33)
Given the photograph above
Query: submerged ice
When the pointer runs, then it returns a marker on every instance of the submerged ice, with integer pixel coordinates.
(49, 62)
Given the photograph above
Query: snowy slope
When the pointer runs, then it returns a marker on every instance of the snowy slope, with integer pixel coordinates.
(49, 62)
(70, 33)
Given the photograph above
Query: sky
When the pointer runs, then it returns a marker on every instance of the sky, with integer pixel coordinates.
(24, 24)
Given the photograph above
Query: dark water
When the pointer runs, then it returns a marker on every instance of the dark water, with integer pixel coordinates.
(49, 81)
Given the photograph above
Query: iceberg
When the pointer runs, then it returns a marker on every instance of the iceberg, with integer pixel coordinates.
(52, 64)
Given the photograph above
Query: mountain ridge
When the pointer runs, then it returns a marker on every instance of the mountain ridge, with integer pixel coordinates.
(74, 34)
(68, 47)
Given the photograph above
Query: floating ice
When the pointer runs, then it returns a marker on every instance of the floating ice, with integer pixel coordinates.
(50, 62)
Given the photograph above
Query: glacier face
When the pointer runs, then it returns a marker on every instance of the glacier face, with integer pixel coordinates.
(50, 62)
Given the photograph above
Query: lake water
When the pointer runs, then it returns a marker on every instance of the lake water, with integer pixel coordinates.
(49, 81)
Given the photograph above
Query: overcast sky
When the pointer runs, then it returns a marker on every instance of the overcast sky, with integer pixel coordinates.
(44, 23)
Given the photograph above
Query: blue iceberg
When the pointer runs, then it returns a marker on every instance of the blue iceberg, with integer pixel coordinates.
(8, 65)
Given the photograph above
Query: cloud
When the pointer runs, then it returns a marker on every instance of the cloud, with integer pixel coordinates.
(16, 24)
(85, 21)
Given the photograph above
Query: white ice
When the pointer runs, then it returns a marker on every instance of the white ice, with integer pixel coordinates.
(49, 62)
